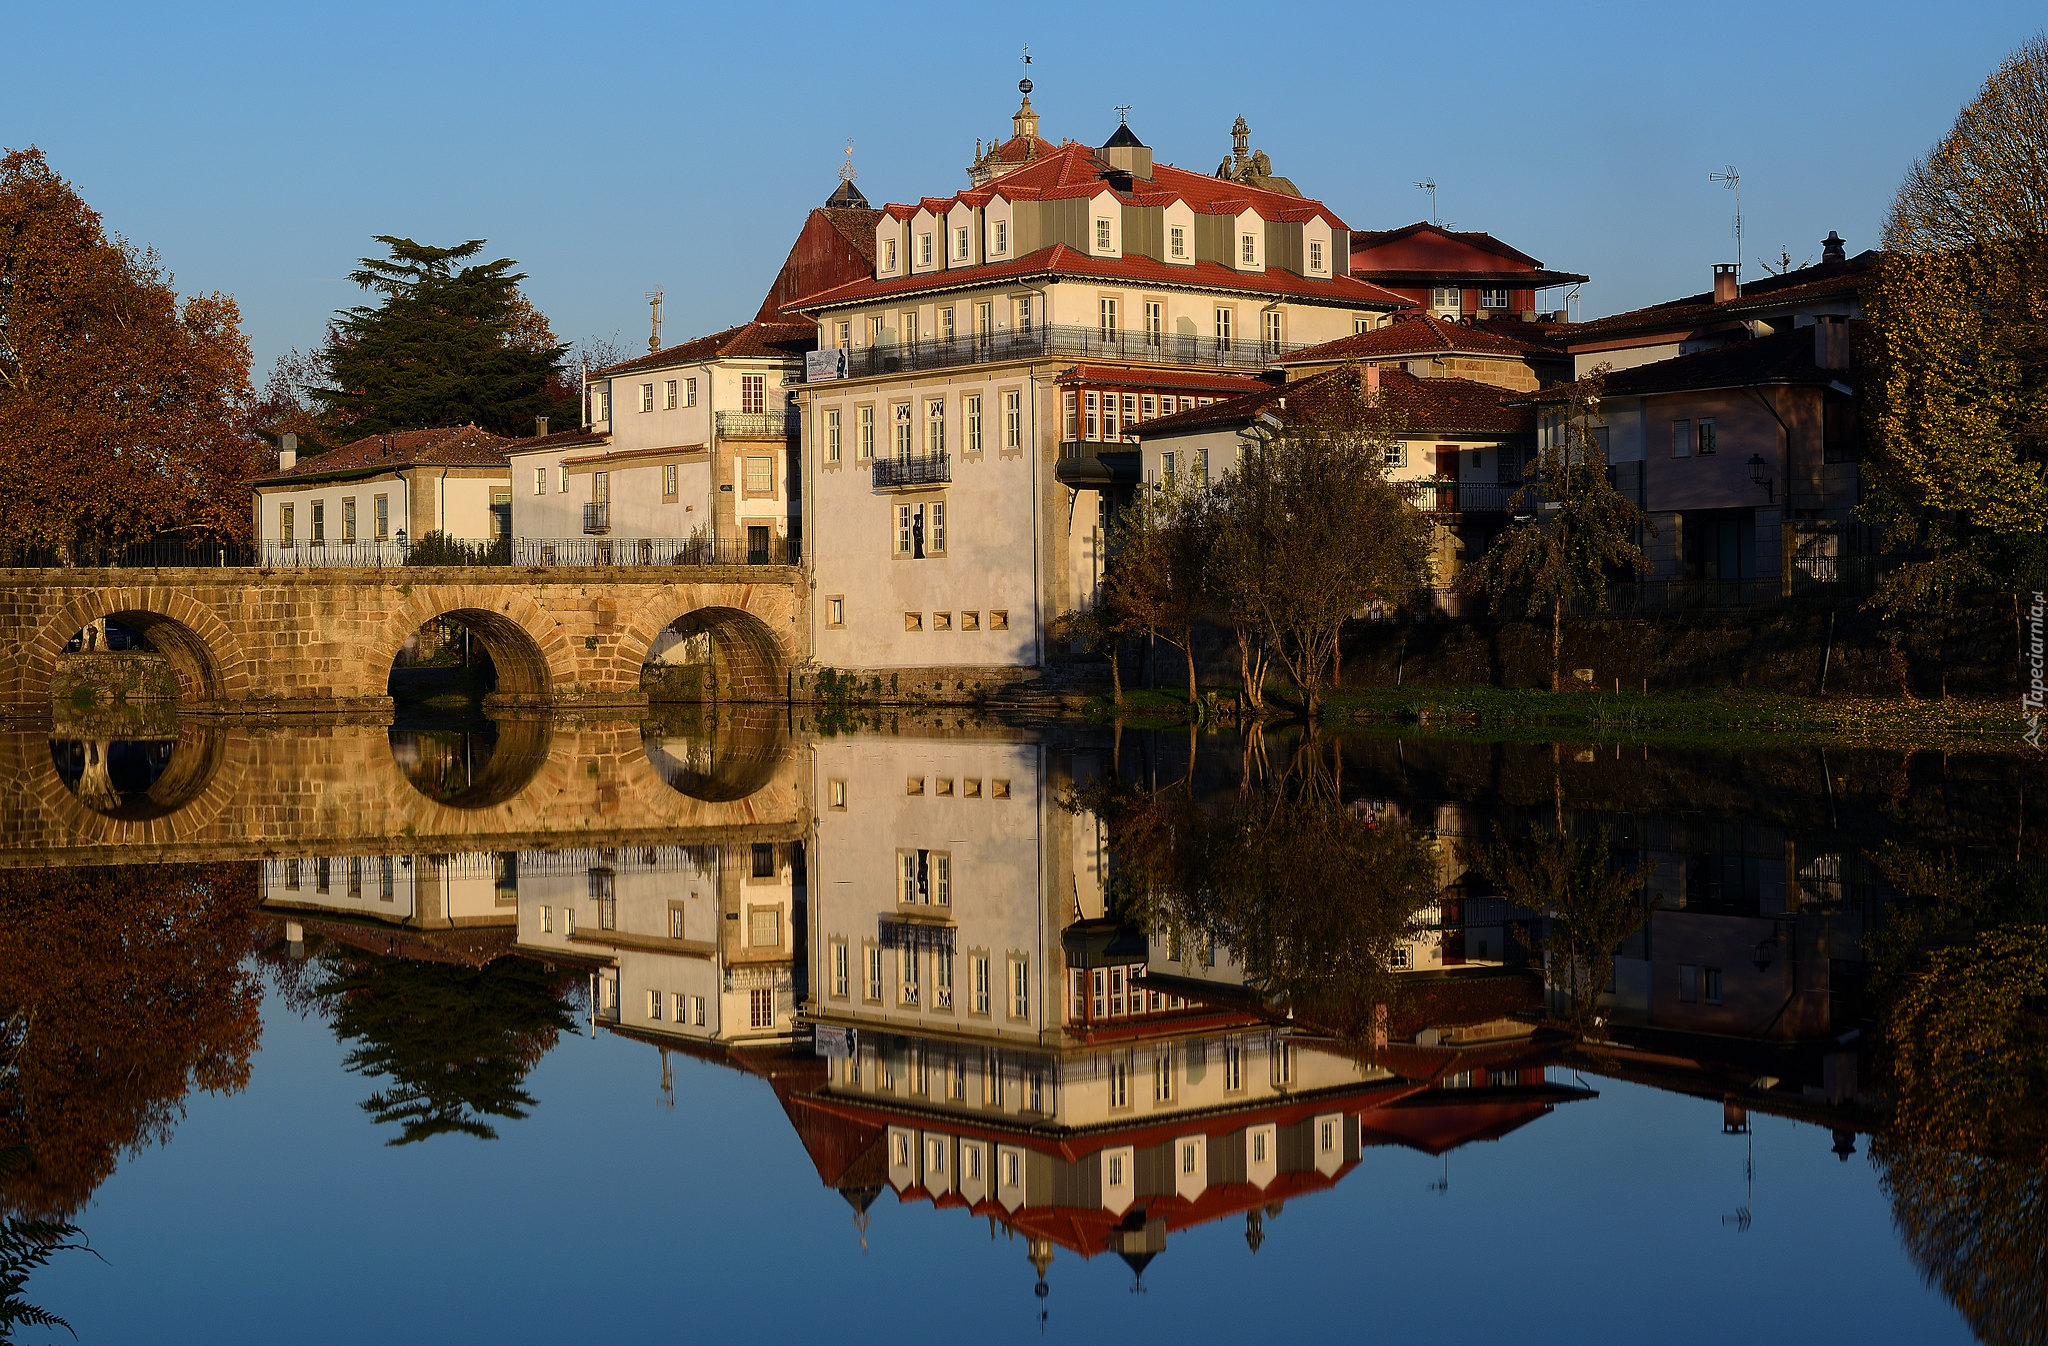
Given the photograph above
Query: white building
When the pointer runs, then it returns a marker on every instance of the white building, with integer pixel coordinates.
(360, 503)
(954, 507)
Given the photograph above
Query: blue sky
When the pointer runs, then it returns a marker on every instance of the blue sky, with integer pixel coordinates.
(614, 149)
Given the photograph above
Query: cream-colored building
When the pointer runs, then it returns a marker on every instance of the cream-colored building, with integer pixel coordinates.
(362, 503)
(693, 442)
(954, 509)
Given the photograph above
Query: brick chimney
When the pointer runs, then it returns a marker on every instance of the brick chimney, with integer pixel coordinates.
(1831, 343)
(1834, 248)
(540, 427)
(1372, 381)
(287, 451)
(1725, 287)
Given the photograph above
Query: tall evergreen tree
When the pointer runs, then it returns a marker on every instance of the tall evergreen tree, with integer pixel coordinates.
(451, 341)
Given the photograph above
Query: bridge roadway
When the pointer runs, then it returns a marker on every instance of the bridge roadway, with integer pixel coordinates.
(316, 641)
(235, 791)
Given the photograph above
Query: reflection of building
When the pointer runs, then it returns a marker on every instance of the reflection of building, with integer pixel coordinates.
(421, 892)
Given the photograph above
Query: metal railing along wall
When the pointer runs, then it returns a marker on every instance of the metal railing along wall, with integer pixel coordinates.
(597, 518)
(1461, 497)
(1063, 341)
(760, 424)
(922, 469)
(656, 551)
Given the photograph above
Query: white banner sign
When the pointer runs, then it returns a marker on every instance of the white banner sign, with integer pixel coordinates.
(820, 366)
(840, 1043)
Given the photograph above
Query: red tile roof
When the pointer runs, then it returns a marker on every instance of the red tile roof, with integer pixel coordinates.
(560, 439)
(1061, 260)
(749, 341)
(1782, 358)
(449, 446)
(1365, 240)
(1432, 406)
(1426, 334)
(1806, 283)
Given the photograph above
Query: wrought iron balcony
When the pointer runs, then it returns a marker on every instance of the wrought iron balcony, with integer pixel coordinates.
(1065, 342)
(597, 518)
(779, 424)
(924, 469)
(1461, 497)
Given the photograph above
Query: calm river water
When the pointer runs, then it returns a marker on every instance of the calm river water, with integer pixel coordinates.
(535, 1031)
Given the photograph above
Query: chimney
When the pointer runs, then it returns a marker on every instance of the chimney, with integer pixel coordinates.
(1831, 343)
(1834, 248)
(540, 427)
(287, 451)
(1372, 382)
(1725, 287)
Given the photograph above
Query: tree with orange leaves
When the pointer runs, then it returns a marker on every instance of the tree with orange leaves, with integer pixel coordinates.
(123, 410)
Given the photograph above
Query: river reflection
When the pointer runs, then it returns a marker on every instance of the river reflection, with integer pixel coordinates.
(1123, 997)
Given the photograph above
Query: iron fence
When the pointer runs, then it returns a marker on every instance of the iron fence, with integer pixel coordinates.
(597, 518)
(1461, 497)
(1065, 341)
(924, 469)
(651, 551)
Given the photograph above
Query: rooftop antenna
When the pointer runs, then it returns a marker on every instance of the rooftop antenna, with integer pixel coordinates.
(1123, 114)
(1732, 180)
(1429, 185)
(653, 321)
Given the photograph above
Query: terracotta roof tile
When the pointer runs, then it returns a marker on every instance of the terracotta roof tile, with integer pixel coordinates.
(1426, 334)
(1366, 239)
(752, 340)
(560, 439)
(1810, 282)
(1783, 357)
(1432, 406)
(448, 446)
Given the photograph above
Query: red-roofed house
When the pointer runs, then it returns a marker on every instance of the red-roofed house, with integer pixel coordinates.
(938, 405)
(361, 503)
(1456, 273)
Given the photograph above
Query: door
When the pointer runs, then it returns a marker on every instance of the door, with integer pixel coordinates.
(1447, 478)
(757, 544)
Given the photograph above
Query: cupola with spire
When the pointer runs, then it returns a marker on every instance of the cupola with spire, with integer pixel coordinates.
(1023, 146)
(1125, 153)
(846, 194)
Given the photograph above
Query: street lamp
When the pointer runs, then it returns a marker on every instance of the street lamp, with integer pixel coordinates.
(1759, 475)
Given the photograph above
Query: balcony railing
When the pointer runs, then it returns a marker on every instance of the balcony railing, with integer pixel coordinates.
(597, 518)
(1461, 497)
(1065, 342)
(657, 551)
(780, 424)
(924, 469)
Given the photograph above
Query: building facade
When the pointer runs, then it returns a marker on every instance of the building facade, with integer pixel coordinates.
(362, 503)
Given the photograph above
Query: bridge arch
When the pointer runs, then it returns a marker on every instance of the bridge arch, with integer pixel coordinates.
(202, 652)
(746, 660)
(526, 645)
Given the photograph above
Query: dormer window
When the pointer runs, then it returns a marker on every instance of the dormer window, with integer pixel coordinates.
(924, 249)
(1248, 249)
(889, 255)
(1315, 255)
(1493, 299)
(1176, 242)
(1002, 236)
(960, 244)
(1102, 235)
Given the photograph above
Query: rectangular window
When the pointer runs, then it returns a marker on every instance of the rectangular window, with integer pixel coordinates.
(935, 543)
(1155, 323)
(668, 396)
(1273, 331)
(1177, 241)
(1710, 985)
(1166, 470)
(900, 415)
(697, 1010)
(984, 320)
(1493, 299)
(689, 392)
(680, 1003)
(1360, 326)
(835, 615)
(764, 928)
(1688, 983)
(906, 529)
(1002, 236)
(284, 524)
(540, 481)
(845, 334)
(1162, 1079)
(669, 473)
(874, 971)
(1020, 988)
(1102, 235)
(1024, 313)
(909, 990)
(1448, 298)
(924, 249)
(1233, 1066)
(678, 923)
(960, 244)
(760, 476)
(889, 254)
(1705, 436)
(1248, 248)
(1092, 425)
(761, 1007)
(646, 397)
(866, 435)
(762, 860)
(1119, 1097)
(832, 435)
(654, 1005)
(841, 970)
(1111, 429)
(1013, 420)
(970, 415)
(1681, 439)
(383, 507)
(547, 919)
(935, 426)
(879, 328)
(942, 873)
(319, 522)
(1315, 254)
(946, 325)
(753, 393)
(562, 481)
(1106, 319)
(978, 970)
(909, 327)
(1151, 406)
(1223, 329)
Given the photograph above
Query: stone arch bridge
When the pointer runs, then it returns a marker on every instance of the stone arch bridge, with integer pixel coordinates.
(315, 640)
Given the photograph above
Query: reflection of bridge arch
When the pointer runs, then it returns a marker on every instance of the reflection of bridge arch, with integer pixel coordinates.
(735, 754)
(517, 756)
(200, 783)
(202, 652)
(747, 661)
(526, 645)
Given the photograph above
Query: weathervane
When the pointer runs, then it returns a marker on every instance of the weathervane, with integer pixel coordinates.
(653, 298)
(846, 170)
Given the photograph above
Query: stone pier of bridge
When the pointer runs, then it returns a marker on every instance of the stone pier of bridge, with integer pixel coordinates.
(317, 641)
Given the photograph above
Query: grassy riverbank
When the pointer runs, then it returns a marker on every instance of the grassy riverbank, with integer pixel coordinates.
(1731, 715)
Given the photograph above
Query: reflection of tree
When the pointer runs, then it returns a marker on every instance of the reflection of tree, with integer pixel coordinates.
(27, 1243)
(1312, 898)
(1963, 977)
(454, 1042)
(1591, 907)
(130, 986)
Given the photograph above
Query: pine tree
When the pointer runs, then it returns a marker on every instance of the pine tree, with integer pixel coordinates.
(450, 342)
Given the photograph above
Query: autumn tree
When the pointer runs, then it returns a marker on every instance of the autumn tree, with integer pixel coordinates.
(1956, 358)
(451, 341)
(1157, 577)
(1574, 532)
(130, 989)
(1591, 906)
(1311, 531)
(453, 1043)
(123, 409)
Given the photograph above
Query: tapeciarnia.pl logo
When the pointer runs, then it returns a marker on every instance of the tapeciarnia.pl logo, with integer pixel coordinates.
(2035, 657)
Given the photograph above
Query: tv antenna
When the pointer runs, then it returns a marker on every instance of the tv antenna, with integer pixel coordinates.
(1429, 185)
(1123, 114)
(653, 298)
(1732, 180)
